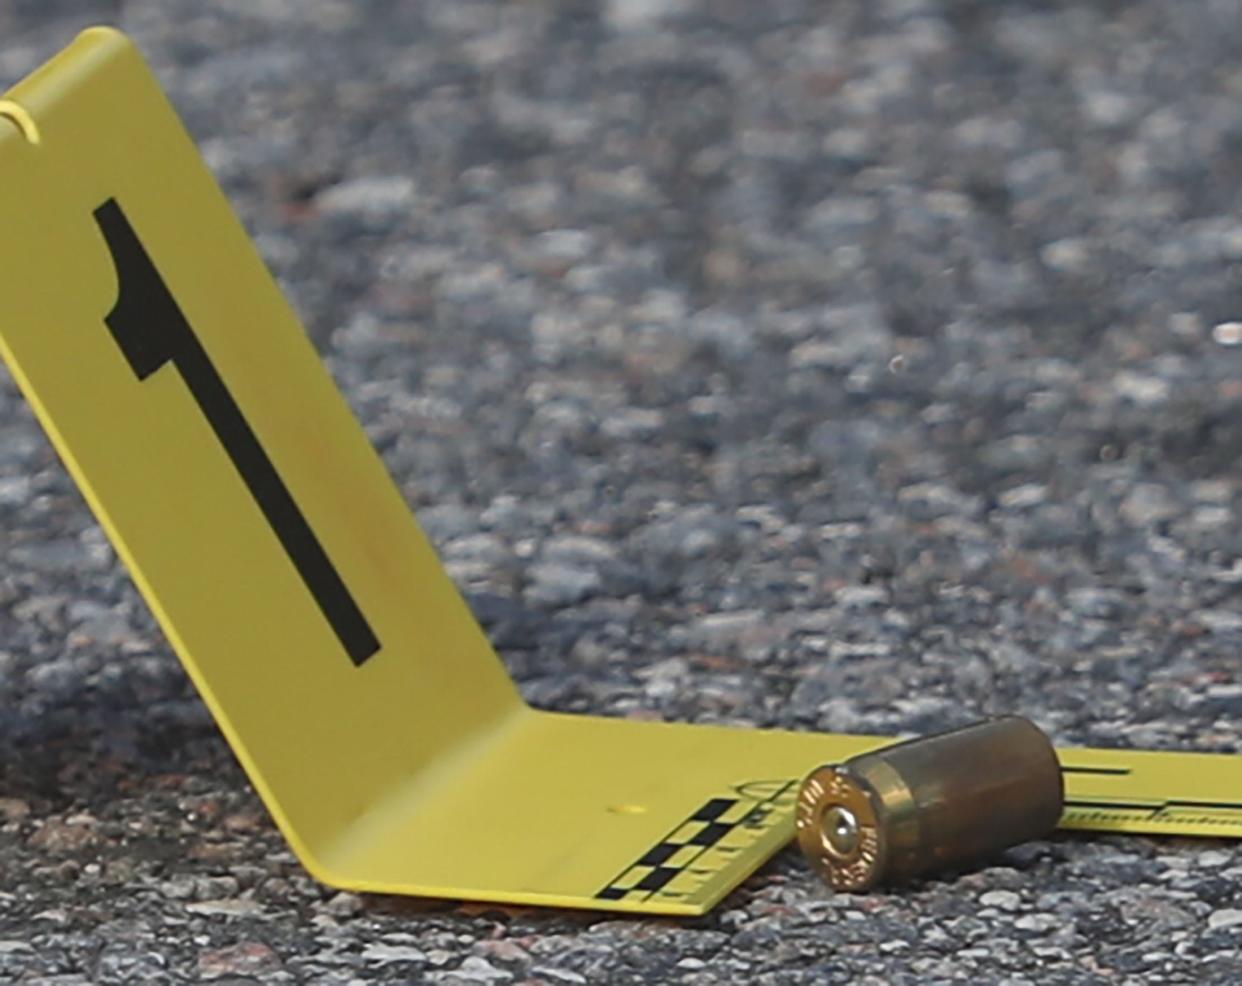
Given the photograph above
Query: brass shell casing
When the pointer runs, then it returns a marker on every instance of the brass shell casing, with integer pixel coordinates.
(930, 803)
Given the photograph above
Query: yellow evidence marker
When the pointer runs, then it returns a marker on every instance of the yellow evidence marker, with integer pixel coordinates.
(343, 666)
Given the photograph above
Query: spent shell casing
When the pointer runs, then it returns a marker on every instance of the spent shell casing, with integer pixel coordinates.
(930, 803)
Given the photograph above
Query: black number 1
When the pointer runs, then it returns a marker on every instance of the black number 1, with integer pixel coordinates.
(151, 330)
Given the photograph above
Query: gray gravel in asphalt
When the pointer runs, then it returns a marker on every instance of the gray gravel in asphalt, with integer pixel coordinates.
(852, 366)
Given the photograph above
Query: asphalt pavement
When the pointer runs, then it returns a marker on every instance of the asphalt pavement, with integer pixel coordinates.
(855, 366)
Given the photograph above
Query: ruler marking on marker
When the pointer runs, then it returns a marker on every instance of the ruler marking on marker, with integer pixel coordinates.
(657, 854)
(714, 808)
(1095, 817)
(1223, 816)
(725, 829)
(710, 834)
(753, 822)
(1209, 805)
(1154, 806)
